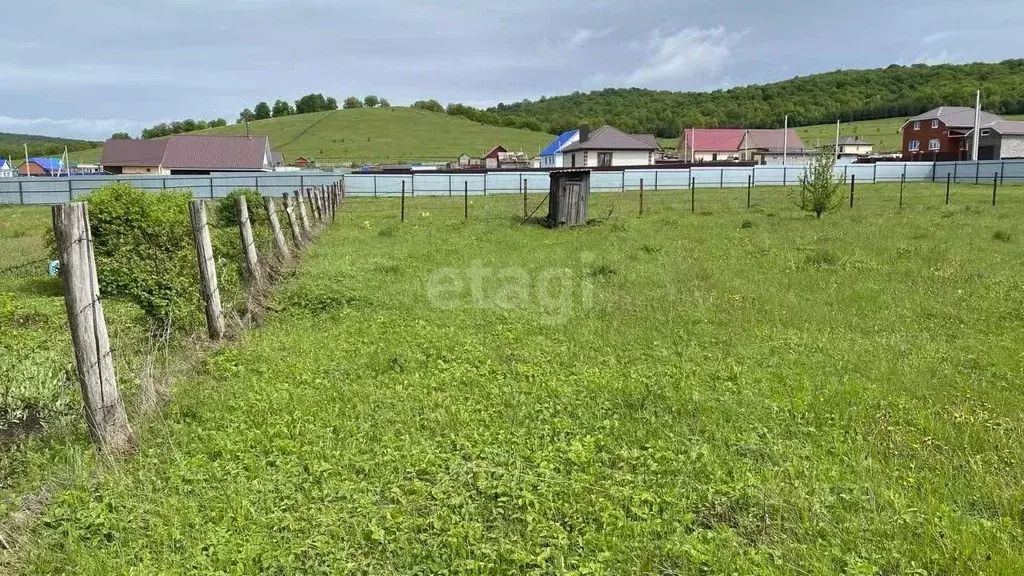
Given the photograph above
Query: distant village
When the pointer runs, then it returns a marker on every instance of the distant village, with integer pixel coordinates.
(943, 134)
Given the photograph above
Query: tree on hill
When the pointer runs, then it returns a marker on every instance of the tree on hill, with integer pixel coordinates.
(312, 103)
(218, 123)
(371, 101)
(431, 105)
(261, 111)
(352, 102)
(282, 108)
(120, 136)
(332, 104)
(245, 116)
(384, 103)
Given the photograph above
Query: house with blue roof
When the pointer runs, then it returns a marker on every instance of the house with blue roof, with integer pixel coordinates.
(41, 166)
(551, 157)
(6, 169)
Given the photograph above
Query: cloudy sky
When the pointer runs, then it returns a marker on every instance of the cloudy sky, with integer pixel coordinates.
(90, 68)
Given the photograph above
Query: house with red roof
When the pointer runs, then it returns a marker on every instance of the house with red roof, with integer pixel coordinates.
(739, 144)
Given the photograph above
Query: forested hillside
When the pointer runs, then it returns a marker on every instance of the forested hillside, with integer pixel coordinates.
(848, 95)
(13, 145)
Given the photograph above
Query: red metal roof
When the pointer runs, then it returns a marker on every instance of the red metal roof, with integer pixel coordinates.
(714, 139)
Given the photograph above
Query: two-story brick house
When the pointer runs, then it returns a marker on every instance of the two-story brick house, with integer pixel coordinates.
(941, 134)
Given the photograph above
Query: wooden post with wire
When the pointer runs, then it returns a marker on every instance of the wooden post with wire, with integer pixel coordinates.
(253, 274)
(307, 232)
(104, 409)
(275, 227)
(207, 269)
(293, 221)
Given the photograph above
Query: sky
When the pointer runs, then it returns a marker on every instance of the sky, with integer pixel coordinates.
(88, 69)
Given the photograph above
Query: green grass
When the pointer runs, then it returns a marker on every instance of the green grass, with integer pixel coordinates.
(381, 135)
(731, 391)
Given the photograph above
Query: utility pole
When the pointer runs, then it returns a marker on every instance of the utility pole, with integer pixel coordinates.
(785, 141)
(837, 140)
(977, 128)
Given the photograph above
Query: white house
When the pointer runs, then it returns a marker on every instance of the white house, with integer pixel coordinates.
(552, 157)
(609, 146)
(7, 170)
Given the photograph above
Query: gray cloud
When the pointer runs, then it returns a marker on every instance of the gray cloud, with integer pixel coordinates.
(114, 64)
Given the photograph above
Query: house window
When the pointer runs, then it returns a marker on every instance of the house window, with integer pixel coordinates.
(604, 158)
(915, 145)
(933, 144)
(935, 123)
(917, 125)
(985, 132)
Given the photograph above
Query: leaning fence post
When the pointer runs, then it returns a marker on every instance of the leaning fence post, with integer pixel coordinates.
(465, 199)
(853, 185)
(307, 232)
(104, 409)
(275, 226)
(948, 183)
(207, 269)
(995, 187)
(252, 264)
(293, 220)
(403, 200)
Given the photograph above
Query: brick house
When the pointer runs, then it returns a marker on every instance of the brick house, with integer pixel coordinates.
(941, 134)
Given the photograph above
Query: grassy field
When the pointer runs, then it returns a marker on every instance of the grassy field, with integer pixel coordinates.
(731, 391)
(380, 135)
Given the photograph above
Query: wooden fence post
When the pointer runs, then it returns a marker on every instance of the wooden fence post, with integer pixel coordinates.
(853, 186)
(293, 221)
(207, 269)
(307, 232)
(275, 226)
(403, 200)
(641, 196)
(252, 265)
(104, 409)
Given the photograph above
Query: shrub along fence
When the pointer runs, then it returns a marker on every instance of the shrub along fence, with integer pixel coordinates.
(105, 413)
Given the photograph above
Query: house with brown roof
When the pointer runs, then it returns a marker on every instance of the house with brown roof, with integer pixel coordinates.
(492, 157)
(195, 154)
(609, 146)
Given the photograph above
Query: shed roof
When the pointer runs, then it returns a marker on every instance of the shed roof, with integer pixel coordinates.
(558, 143)
(134, 152)
(954, 117)
(611, 138)
(1006, 127)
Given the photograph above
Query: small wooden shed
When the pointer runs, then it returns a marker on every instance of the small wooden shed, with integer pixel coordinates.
(569, 194)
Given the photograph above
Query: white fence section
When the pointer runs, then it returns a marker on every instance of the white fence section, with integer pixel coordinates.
(57, 190)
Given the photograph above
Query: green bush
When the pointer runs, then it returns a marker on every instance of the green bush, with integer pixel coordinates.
(227, 210)
(144, 249)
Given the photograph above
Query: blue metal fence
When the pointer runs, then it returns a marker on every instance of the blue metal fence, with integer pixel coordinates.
(56, 190)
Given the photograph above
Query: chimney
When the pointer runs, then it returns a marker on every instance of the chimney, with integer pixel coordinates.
(584, 133)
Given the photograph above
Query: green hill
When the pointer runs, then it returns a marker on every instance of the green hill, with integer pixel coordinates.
(379, 135)
(13, 145)
(848, 95)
